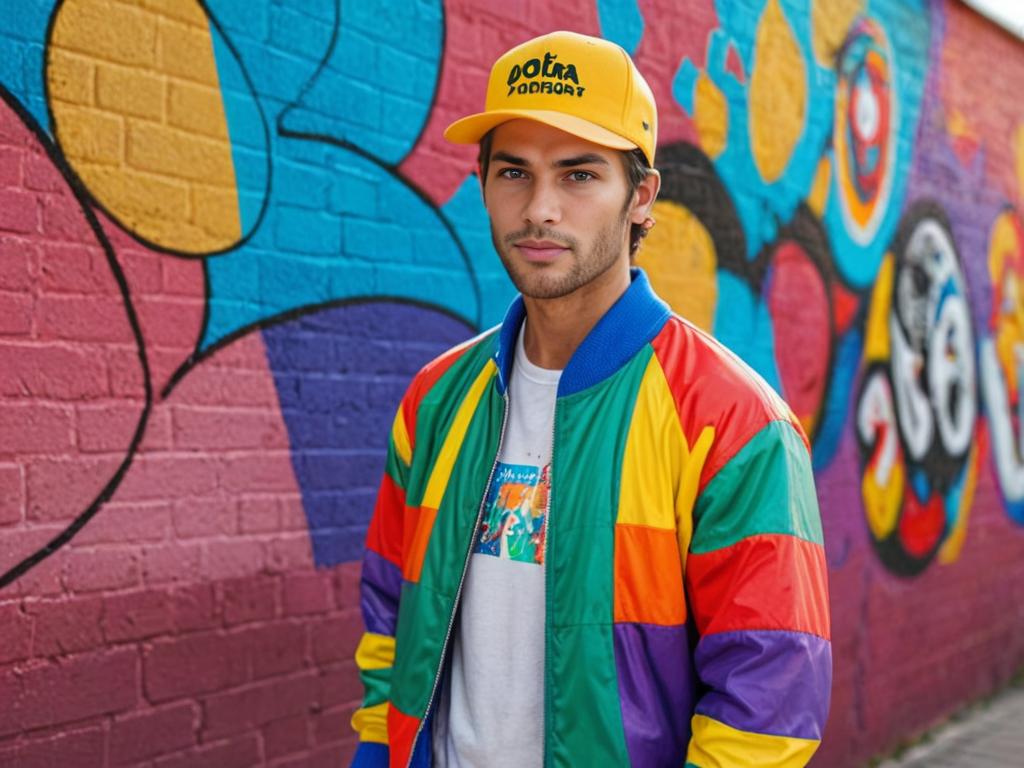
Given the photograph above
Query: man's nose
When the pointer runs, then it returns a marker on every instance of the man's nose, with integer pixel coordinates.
(543, 206)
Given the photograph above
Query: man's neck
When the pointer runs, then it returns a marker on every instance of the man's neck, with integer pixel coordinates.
(556, 327)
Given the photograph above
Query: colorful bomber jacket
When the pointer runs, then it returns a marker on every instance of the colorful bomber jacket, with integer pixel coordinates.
(687, 617)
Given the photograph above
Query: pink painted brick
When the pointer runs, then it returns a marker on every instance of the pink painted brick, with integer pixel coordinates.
(109, 427)
(135, 522)
(172, 562)
(82, 318)
(340, 685)
(60, 489)
(77, 268)
(44, 579)
(66, 625)
(258, 514)
(15, 314)
(308, 593)
(226, 429)
(163, 477)
(346, 583)
(16, 627)
(40, 174)
(125, 377)
(83, 748)
(161, 319)
(204, 518)
(63, 220)
(136, 615)
(255, 598)
(48, 371)
(336, 638)
(260, 472)
(289, 552)
(19, 211)
(182, 277)
(322, 757)
(158, 431)
(104, 568)
(11, 161)
(19, 543)
(284, 737)
(142, 269)
(18, 259)
(273, 649)
(12, 494)
(194, 607)
(256, 705)
(240, 752)
(293, 514)
(29, 428)
(232, 558)
(146, 735)
(192, 664)
(332, 725)
(79, 687)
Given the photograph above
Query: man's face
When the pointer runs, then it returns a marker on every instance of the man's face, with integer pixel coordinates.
(560, 208)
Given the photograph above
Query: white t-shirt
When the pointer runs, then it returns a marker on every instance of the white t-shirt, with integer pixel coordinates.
(492, 709)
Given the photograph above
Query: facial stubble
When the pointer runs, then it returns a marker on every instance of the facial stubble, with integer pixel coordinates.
(534, 280)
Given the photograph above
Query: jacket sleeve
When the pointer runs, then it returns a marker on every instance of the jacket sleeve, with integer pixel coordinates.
(380, 589)
(757, 583)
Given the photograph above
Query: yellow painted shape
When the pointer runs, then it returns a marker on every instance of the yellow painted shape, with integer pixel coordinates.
(711, 116)
(371, 723)
(679, 258)
(876, 331)
(883, 500)
(717, 745)
(950, 550)
(375, 651)
(818, 197)
(442, 471)
(778, 93)
(830, 22)
(400, 437)
(1004, 252)
(139, 116)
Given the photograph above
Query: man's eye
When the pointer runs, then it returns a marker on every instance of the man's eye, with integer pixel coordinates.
(581, 175)
(512, 173)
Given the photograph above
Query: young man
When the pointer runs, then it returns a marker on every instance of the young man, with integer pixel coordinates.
(597, 540)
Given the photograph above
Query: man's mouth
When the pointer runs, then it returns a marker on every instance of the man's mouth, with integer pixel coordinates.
(540, 251)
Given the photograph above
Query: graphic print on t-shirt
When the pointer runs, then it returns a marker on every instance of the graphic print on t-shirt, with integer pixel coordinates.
(515, 514)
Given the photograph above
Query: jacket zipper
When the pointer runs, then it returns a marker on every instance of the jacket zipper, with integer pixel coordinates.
(547, 587)
(462, 581)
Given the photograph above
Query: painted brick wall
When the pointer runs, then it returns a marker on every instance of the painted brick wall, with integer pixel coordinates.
(231, 231)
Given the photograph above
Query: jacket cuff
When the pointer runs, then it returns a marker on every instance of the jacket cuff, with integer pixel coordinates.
(370, 754)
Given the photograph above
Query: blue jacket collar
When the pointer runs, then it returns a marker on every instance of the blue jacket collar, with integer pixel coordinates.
(625, 328)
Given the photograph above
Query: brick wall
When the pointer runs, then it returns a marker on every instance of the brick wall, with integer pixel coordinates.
(231, 231)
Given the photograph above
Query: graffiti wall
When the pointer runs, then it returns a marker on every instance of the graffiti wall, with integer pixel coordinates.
(231, 231)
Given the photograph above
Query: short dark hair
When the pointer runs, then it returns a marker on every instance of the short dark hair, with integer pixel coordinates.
(634, 162)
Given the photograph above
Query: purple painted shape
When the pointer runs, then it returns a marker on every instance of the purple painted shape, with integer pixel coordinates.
(766, 681)
(656, 691)
(379, 589)
(339, 374)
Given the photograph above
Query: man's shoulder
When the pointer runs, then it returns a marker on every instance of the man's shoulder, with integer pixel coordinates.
(474, 353)
(713, 387)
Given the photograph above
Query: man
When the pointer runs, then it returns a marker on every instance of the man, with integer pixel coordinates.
(596, 541)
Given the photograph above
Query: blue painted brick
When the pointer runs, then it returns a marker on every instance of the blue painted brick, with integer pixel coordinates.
(299, 34)
(349, 193)
(306, 231)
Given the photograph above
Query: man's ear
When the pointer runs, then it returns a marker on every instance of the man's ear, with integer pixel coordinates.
(644, 197)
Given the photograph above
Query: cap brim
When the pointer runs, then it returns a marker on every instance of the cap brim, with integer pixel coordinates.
(469, 130)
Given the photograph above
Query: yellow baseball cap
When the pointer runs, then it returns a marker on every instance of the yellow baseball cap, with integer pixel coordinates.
(582, 85)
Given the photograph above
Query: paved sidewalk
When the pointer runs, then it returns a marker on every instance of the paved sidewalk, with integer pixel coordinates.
(989, 736)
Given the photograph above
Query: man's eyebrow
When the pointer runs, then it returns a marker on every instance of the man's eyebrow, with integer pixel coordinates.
(505, 157)
(588, 159)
